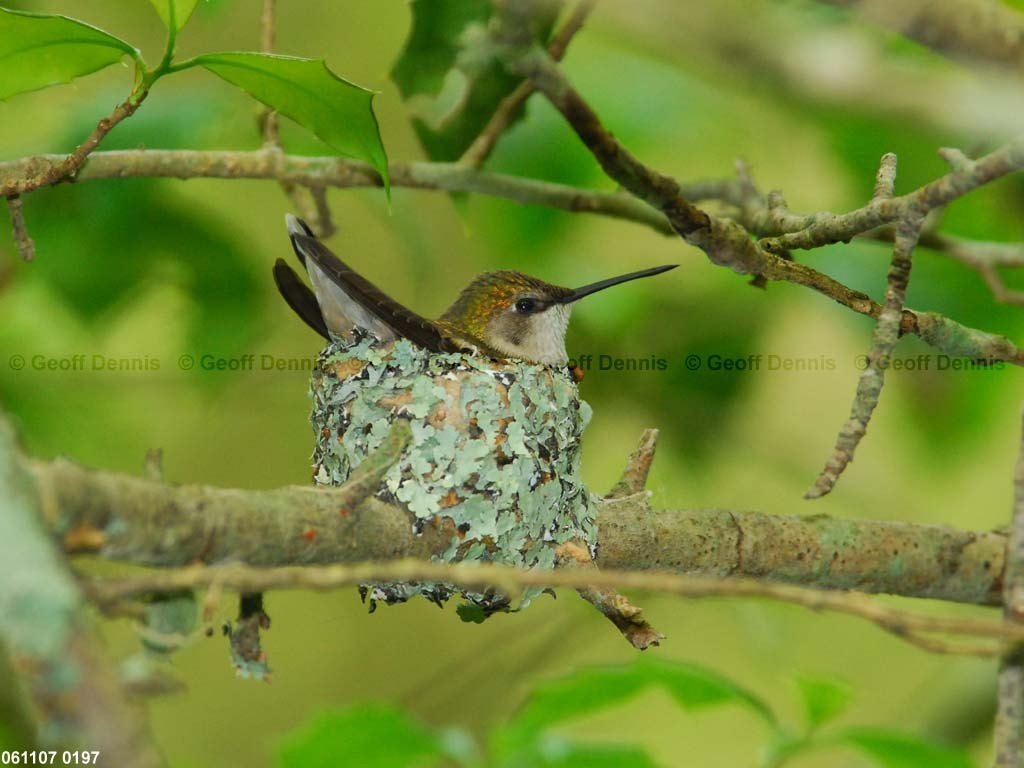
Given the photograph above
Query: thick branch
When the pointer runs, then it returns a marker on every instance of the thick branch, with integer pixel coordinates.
(151, 523)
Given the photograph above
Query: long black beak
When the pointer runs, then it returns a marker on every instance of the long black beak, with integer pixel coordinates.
(586, 290)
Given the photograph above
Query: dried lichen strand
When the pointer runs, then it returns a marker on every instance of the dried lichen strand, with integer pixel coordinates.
(494, 455)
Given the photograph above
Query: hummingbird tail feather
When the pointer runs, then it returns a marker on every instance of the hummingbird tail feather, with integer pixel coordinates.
(297, 226)
(299, 297)
(344, 293)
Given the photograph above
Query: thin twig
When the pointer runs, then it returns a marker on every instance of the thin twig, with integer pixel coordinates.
(995, 284)
(312, 206)
(973, 253)
(654, 188)
(268, 117)
(153, 465)
(886, 335)
(478, 152)
(985, 258)
(638, 466)
(901, 623)
(69, 165)
(613, 605)
(1009, 726)
(885, 179)
(25, 245)
(323, 222)
(823, 229)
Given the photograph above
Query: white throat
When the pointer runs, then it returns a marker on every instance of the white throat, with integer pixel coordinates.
(545, 340)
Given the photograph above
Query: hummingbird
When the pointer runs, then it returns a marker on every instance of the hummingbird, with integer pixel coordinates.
(502, 315)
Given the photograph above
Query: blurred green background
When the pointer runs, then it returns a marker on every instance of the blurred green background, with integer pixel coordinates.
(810, 98)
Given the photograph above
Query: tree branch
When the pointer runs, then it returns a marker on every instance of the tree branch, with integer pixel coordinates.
(478, 152)
(1009, 726)
(268, 117)
(725, 241)
(883, 342)
(823, 229)
(44, 174)
(508, 580)
(309, 202)
(638, 466)
(75, 695)
(22, 240)
(944, 334)
(966, 30)
(132, 519)
(337, 172)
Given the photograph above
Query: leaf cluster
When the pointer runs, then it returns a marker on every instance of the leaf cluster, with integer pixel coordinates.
(40, 50)
(381, 736)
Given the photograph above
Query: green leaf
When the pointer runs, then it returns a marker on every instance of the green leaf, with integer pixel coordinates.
(823, 700)
(597, 688)
(895, 750)
(590, 756)
(181, 9)
(370, 736)
(339, 112)
(449, 72)
(38, 50)
(433, 43)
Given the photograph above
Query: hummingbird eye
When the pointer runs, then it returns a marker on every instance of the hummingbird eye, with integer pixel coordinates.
(526, 305)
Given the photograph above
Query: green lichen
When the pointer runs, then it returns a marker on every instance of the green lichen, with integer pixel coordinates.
(494, 453)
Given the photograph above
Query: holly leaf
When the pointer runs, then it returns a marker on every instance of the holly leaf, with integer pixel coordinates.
(449, 72)
(823, 700)
(174, 13)
(39, 50)
(433, 43)
(372, 736)
(895, 750)
(339, 112)
(598, 688)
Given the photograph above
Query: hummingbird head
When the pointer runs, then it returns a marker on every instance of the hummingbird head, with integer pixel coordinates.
(520, 316)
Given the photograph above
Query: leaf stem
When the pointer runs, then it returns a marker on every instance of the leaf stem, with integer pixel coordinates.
(166, 65)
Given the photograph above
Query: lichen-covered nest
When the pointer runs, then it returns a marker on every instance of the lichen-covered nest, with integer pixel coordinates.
(495, 449)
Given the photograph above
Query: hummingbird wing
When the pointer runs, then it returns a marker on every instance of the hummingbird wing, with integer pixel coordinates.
(347, 299)
(299, 297)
